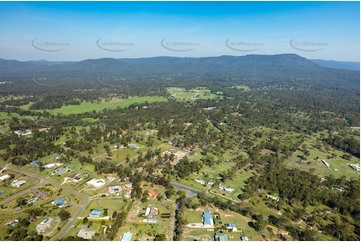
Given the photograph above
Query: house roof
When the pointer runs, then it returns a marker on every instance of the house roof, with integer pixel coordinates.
(221, 237)
(127, 236)
(60, 201)
(207, 217)
(152, 193)
(231, 226)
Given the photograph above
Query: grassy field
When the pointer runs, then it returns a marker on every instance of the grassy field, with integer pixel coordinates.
(97, 106)
(338, 165)
(244, 87)
(181, 94)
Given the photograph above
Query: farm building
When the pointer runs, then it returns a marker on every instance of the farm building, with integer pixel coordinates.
(355, 167)
(325, 163)
(276, 198)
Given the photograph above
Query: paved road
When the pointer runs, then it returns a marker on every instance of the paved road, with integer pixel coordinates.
(190, 191)
(65, 188)
(21, 193)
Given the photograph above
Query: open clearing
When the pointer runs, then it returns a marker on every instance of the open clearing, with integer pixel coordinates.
(113, 103)
(181, 94)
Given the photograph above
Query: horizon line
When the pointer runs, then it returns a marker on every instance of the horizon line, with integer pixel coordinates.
(169, 56)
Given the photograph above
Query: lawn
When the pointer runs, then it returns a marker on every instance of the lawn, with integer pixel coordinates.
(113, 103)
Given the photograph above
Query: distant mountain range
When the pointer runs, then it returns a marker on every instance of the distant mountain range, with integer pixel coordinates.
(346, 65)
(269, 68)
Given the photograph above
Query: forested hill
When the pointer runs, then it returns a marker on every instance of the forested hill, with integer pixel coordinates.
(278, 69)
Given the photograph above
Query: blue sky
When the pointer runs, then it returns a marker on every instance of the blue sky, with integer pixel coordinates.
(83, 30)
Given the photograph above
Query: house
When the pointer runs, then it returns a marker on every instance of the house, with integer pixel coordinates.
(232, 227)
(74, 175)
(127, 237)
(4, 177)
(244, 238)
(152, 215)
(276, 198)
(211, 183)
(207, 219)
(61, 170)
(128, 193)
(200, 181)
(228, 189)
(40, 194)
(95, 213)
(220, 237)
(17, 183)
(36, 163)
(49, 166)
(59, 202)
(115, 190)
(44, 225)
(220, 187)
(32, 200)
(152, 194)
(129, 185)
(325, 163)
(97, 183)
(134, 146)
(85, 234)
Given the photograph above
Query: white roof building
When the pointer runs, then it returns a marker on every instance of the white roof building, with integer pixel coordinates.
(97, 183)
(48, 166)
(115, 189)
(17, 183)
(4, 177)
(85, 234)
(44, 225)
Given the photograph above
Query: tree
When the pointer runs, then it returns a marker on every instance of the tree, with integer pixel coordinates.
(160, 237)
(64, 215)
(85, 220)
(20, 201)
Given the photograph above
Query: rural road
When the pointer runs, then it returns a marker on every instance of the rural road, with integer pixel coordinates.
(190, 191)
(21, 193)
(65, 188)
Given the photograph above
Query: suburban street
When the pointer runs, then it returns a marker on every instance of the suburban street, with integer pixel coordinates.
(71, 221)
